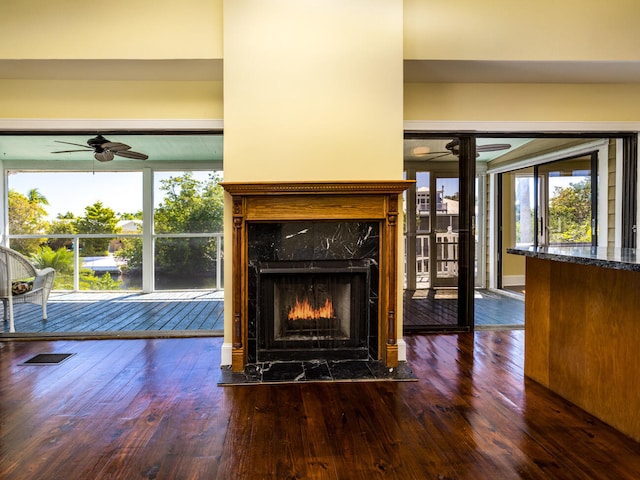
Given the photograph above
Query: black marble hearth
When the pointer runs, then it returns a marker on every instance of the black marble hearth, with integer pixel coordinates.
(315, 371)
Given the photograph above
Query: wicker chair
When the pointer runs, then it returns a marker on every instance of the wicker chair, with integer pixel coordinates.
(21, 282)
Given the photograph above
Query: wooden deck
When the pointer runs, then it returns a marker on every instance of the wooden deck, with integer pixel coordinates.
(105, 313)
(192, 312)
(151, 409)
(439, 308)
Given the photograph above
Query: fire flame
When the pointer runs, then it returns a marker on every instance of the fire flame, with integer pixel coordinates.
(304, 311)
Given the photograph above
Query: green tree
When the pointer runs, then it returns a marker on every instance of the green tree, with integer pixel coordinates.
(102, 282)
(570, 213)
(36, 198)
(97, 219)
(131, 216)
(27, 215)
(189, 206)
(61, 260)
(60, 227)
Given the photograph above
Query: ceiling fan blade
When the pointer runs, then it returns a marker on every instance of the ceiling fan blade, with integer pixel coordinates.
(439, 155)
(69, 151)
(115, 146)
(76, 144)
(493, 147)
(105, 156)
(131, 154)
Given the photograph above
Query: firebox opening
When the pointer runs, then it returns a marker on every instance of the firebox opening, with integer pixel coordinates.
(316, 310)
(312, 308)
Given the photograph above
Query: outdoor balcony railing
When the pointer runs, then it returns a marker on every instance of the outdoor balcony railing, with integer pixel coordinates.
(111, 264)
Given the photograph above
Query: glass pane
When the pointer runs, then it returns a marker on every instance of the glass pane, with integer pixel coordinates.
(56, 253)
(567, 209)
(188, 202)
(447, 197)
(423, 222)
(431, 297)
(524, 211)
(188, 263)
(42, 202)
(100, 269)
(101, 203)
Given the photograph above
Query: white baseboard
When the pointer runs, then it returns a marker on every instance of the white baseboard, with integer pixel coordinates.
(511, 280)
(402, 350)
(225, 353)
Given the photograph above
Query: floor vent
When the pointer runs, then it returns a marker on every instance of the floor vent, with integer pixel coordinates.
(48, 359)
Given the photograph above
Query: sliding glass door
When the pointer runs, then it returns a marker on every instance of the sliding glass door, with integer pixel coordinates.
(567, 201)
(437, 229)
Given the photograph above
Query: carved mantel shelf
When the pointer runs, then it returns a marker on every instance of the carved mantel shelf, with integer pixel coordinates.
(293, 201)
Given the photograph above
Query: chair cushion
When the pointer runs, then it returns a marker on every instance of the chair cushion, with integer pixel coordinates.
(21, 286)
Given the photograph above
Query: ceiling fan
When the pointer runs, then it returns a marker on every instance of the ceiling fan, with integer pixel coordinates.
(105, 150)
(453, 148)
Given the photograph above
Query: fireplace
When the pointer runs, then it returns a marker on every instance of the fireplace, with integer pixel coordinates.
(328, 246)
(311, 310)
(309, 263)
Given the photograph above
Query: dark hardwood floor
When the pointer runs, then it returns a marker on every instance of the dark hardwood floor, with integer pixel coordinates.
(151, 409)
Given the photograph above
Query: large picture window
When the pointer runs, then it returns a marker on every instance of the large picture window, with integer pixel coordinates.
(90, 226)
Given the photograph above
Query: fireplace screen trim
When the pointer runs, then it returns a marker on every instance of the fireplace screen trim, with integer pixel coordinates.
(345, 336)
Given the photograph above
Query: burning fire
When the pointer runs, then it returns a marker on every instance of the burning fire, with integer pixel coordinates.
(304, 311)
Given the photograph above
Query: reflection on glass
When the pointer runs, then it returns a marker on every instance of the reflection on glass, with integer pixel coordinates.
(565, 202)
(524, 211)
(187, 263)
(188, 202)
(447, 197)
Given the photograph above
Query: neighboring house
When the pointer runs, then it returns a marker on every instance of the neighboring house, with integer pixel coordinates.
(124, 226)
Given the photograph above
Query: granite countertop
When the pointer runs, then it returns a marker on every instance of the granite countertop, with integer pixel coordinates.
(616, 258)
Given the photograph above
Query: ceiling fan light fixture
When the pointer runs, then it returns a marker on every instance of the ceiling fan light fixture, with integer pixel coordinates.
(421, 151)
(453, 146)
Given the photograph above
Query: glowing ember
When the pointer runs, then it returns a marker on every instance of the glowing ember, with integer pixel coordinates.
(304, 311)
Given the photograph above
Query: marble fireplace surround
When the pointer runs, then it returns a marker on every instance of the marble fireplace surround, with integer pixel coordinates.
(310, 201)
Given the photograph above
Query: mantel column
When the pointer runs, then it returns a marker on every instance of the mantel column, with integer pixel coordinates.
(238, 352)
(391, 269)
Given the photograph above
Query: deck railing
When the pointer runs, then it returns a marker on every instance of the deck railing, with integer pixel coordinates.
(77, 258)
(446, 257)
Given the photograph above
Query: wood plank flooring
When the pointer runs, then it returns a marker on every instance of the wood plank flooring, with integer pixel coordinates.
(151, 409)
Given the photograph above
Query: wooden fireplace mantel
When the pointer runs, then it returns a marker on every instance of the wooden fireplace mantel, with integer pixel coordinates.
(293, 201)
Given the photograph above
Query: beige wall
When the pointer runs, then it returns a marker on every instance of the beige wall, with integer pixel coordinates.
(433, 29)
(511, 30)
(110, 29)
(97, 99)
(521, 102)
(313, 92)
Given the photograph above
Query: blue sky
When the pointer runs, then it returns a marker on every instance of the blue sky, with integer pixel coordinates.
(73, 191)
